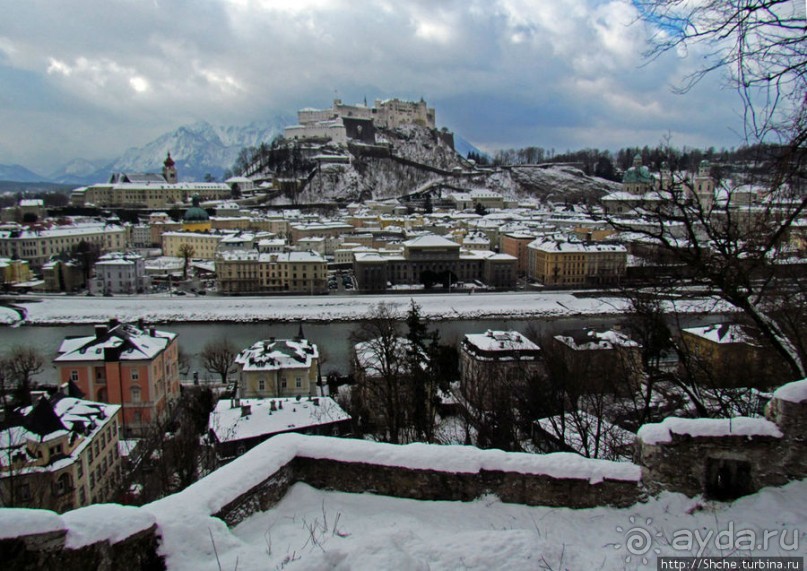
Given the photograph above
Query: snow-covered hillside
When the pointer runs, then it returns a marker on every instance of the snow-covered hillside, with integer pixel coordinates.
(561, 183)
(371, 176)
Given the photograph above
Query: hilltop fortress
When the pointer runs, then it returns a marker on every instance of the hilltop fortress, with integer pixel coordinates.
(343, 122)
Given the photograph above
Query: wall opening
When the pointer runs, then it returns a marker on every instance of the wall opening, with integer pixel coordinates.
(727, 479)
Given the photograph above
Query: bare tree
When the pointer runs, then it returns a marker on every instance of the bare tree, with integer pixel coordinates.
(761, 48)
(758, 45)
(735, 251)
(184, 362)
(19, 365)
(218, 357)
(381, 368)
(186, 252)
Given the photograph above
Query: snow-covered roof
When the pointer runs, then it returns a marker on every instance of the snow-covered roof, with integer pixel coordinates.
(134, 344)
(271, 355)
(551, 244)
(61, 231)
(82, 417)
(591, 339)
(722, 333)
(271, 416)
(500, 341)
(266, 257)
(32, 202)
(430, 241)
(476, 238)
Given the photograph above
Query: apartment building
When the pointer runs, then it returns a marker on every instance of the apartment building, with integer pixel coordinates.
(63, 453)
(489, 360)
(515, 244)
(118, 273)
(204, 245)
(599, 360)
(278, 368)
(556, 261)
(14, 272)
(38, 246)
(251, 272)
(126, 364)
(729, 355)
(432, 259)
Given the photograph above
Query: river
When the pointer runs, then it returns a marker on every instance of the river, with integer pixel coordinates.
(333, 339)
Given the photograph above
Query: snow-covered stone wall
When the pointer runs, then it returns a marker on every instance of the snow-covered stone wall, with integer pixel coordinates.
(720, 457)
(101, 536)
(728, 458)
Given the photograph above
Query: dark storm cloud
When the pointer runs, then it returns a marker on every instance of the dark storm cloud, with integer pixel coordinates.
(93, 78)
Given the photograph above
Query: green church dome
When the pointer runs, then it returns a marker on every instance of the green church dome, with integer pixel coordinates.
(195, 213)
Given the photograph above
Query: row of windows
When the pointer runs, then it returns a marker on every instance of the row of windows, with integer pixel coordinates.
(298, 382)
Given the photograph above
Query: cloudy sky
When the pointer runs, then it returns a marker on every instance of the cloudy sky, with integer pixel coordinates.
(90, 78)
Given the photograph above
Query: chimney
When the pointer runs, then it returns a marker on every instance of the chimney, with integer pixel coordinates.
(113, 322)
(246, 410)
(152, 332)
(141, 325)
(101, 331)
(36, 395)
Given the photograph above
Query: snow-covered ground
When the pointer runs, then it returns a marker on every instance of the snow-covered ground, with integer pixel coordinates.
(46, 310)
(312, 529)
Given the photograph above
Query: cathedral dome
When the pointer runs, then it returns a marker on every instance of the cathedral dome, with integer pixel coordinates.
(195, 213)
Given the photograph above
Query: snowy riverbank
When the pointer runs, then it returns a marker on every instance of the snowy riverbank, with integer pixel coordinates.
(68, 310)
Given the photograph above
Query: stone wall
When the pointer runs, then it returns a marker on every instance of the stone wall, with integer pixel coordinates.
(258, 498)
(52, 550)
(420, 484)
(728, 458)
(688, 464)
(682, 455)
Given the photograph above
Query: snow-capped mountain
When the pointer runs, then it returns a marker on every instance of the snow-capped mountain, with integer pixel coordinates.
(199, 149)
(77, 171)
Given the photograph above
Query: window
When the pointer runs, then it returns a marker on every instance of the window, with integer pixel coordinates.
(74, 375)
(299, 382)
(82, 496)
(261, 384)
(24, 492)
(283, 382)
(63, 484)
(135, 394)
(135, 375)
(80, 469)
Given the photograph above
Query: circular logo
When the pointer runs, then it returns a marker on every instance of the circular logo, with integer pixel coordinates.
(638, 540)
